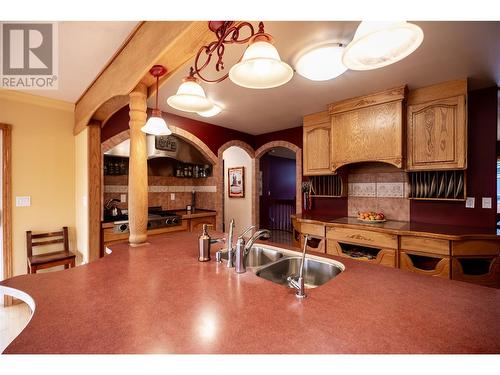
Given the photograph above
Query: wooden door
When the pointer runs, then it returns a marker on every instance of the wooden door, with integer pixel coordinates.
(437, 134)
(317, 134)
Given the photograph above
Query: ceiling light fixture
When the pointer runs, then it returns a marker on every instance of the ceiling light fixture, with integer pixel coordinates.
(322, 63)
(190, 96)
(378, 44)
(214, 111)
(156, 125)
(259, 68)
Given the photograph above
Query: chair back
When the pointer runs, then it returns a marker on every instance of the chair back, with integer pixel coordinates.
(40, 239)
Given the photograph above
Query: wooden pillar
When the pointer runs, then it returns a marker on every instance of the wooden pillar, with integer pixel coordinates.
(94, 189)
(138, 168)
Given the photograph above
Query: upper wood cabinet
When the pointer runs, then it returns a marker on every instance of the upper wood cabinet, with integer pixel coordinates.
(368, 128)
(437, 127)
(317, 135)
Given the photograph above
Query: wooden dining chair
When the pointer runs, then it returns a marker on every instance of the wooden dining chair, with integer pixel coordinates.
(52, 259)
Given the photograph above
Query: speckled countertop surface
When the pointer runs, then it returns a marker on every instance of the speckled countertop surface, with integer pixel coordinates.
(159, 299)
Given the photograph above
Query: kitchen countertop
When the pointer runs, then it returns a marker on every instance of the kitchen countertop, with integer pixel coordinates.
(184, 214)
(159, 299)
(449, 232)
(198, 212)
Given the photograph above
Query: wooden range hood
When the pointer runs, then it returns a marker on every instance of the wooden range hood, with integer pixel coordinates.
(368, 128)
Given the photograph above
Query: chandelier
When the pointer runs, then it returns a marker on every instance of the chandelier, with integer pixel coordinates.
(259, 68)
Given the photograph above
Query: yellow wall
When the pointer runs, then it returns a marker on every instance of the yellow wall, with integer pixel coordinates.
(43, 166)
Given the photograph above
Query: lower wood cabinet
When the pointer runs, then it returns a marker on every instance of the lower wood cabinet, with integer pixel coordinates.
(196, 224)
(425, 263)
(425, 255)
(368, 246)
(476, 261)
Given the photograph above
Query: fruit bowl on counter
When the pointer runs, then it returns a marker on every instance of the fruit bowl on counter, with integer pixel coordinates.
(371, 217)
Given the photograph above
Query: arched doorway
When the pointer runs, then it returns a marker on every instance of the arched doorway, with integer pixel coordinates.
(230, 155)
(263, 153)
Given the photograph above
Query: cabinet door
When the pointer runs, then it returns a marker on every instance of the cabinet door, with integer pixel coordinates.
(437, 135)
(317, 149)
(196, 224)
(373, 133)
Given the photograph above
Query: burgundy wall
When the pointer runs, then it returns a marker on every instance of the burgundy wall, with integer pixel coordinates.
(292, 135)
(280, 174)
(481, 170)
(212, 135)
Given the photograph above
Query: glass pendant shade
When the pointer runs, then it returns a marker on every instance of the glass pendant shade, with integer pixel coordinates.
(260, 67)
(190, 97)
(156, 125)
(215, 110)
(322, 63)
(378, 44)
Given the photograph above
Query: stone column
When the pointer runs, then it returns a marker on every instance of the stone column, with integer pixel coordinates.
(138, 168)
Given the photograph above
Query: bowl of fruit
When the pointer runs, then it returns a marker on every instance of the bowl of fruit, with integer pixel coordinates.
(371, 217)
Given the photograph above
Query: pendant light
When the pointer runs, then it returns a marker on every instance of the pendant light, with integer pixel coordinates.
(190, 96)
(378, 44)
(261, 66)
(156, 125)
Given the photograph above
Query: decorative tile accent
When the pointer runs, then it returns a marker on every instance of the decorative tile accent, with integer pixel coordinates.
(362, 189)
(163, 189)
(115, 188)
(390, 189)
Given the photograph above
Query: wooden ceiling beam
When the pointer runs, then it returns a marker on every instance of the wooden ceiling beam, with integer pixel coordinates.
(169, 43)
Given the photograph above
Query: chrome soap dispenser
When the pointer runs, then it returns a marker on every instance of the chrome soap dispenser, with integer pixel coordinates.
(204, 244)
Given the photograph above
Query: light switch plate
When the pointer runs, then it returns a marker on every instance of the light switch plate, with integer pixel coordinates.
(85, 201)
(470, 202)
(172, 196)
(123, 198)
(486, 202)
(23, 201)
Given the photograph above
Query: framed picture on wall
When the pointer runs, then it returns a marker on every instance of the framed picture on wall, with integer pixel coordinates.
(236, 182)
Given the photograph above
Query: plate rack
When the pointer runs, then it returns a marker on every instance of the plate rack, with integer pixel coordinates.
(438, 185)
(327, 186)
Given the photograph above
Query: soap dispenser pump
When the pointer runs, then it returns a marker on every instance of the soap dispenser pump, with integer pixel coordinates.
(204, 242)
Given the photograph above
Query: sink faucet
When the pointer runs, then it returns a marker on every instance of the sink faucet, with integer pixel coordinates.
(230, 251)
(242, 249)
(298, 282)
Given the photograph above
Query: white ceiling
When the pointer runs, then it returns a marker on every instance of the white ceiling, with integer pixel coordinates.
(84, 50)
(450, 50)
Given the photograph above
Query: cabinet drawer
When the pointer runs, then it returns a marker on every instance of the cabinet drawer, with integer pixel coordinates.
(384, 257)
(363, 237)
(431, 265)
(481, 270)
(312, 229)
(475, 247)
(425, 245)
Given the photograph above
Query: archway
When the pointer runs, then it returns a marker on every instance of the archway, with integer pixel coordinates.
(261, 151)
(219, 173)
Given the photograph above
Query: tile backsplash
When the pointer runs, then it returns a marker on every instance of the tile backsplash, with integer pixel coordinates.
(381, 189)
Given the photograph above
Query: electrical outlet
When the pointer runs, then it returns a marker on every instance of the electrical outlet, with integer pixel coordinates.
(470, 202)
(123, 198)
(172, 196)
(23, 201)
(486, 202)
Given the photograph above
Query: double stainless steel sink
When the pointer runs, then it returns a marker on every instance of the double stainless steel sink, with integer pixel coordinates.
(277, 265)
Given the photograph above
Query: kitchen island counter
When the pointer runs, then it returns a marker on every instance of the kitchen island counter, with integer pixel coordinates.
(158, 298)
